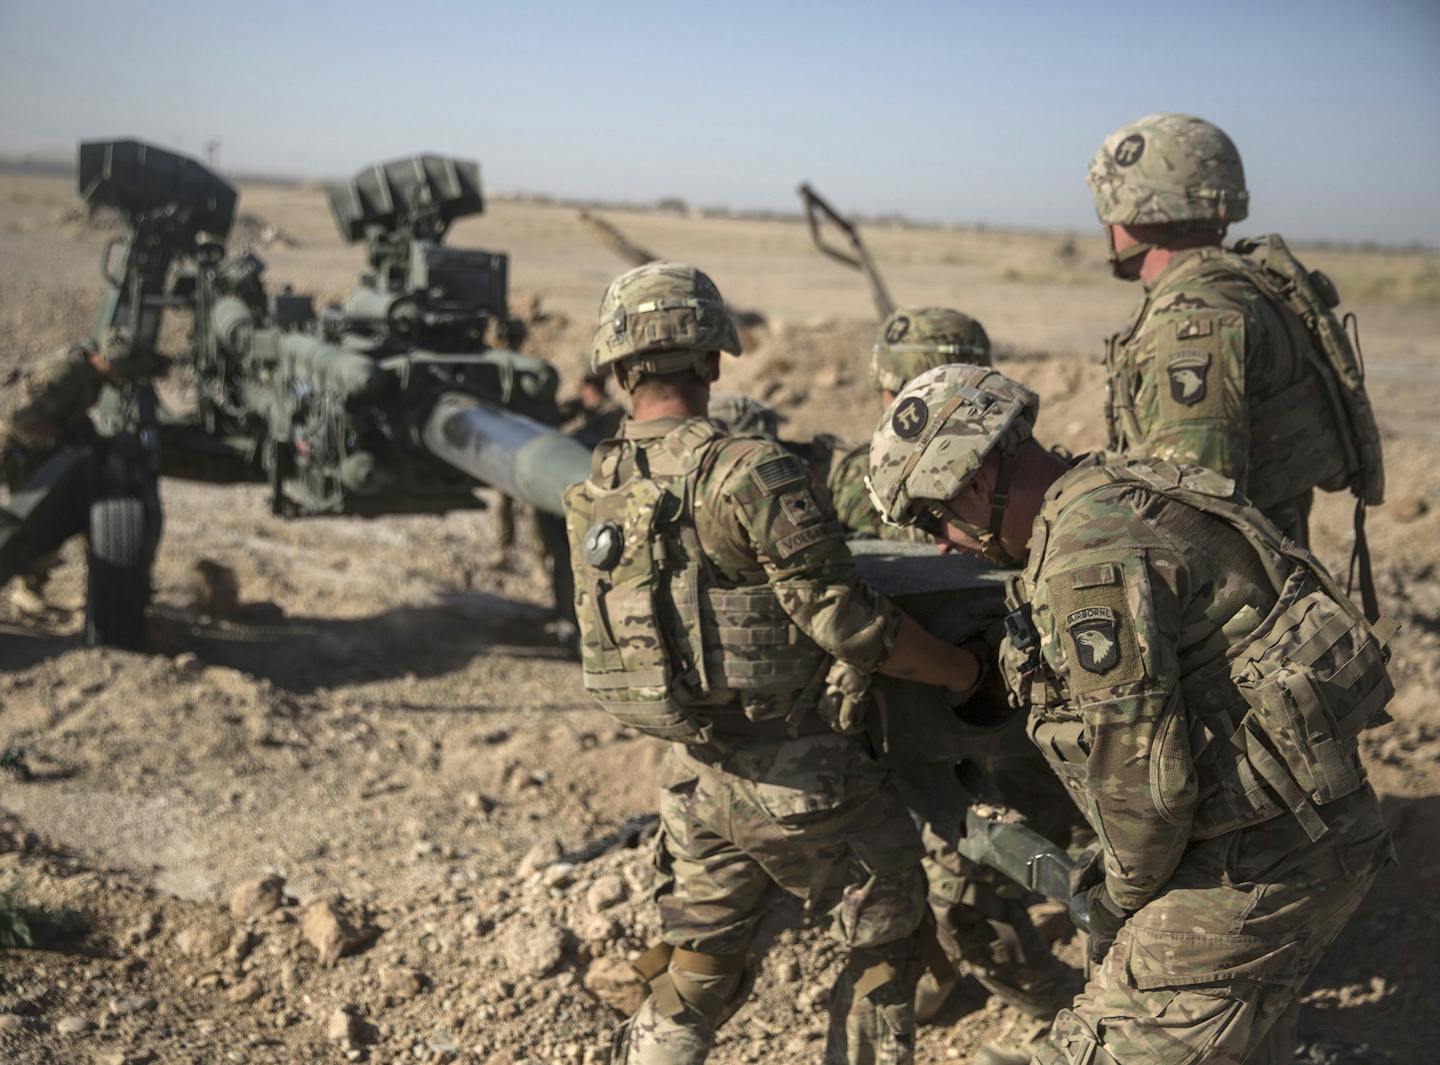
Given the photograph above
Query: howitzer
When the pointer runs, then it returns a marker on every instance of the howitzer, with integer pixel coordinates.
(933, 746)
(394, 403)
(818, 212)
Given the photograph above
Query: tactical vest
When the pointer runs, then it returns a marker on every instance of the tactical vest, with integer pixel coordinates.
(1308, 676)
(663, 647)
(1319, 431)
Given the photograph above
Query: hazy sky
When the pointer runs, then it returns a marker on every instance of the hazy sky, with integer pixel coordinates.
(950, 111)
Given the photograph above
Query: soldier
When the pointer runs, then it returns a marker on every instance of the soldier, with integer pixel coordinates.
(51, 402)
(982, 917)
(719, 609)
(1166, 640)
(1219, 367)
(915, 339)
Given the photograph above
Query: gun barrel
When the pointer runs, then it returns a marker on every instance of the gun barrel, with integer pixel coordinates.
(522, 458)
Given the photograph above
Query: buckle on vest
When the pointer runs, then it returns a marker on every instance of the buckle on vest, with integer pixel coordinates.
(1020, 630)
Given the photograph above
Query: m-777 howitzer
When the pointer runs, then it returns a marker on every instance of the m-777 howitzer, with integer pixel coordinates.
(394, 403)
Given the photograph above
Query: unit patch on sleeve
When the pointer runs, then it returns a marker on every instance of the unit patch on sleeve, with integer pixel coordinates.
(800, 507)
(1094, 632)
(775, 475)
(1187, 370)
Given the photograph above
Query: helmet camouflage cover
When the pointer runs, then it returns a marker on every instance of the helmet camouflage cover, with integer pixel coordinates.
(915, 339)
(662, 317)
(936, 434)
(744, 415)
(1168, 168)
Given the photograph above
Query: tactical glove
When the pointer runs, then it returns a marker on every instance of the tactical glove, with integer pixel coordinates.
(1105, 921)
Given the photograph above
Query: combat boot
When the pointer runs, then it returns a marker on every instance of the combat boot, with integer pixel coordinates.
(1017, 1044)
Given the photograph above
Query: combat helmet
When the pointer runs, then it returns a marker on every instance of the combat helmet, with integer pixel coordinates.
(915, 339)
(1168, 168)
(934, 438)
(661, 317)
(744, 415)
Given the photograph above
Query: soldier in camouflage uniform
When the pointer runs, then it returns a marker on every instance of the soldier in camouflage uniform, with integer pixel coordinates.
(1197, 682)
(915, 339)
(1214, 369)
(982, 921)
(982, 916)
(51, 399)
(719, 609)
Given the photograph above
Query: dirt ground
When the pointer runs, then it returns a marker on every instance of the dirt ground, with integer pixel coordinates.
(385, 724)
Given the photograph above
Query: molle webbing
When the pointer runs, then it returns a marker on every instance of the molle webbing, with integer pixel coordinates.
(1312, 672)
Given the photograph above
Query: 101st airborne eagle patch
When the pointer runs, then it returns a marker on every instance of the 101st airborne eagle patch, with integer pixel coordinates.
(1096, 636)
(1187, 371)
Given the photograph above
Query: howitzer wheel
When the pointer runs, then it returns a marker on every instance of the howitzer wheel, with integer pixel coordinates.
(118, 583)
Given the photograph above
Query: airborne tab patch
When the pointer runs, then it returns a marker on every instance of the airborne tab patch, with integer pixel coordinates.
(1096, 637)
(775, 475)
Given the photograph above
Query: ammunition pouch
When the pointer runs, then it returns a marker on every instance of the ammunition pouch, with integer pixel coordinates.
(1313, 676)
(661, 646)
(1309, 678)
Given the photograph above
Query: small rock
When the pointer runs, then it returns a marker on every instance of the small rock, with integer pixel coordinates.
(615, 982)
(603, 927)
(124, 1005)
(188, 663)
(545, 853)
(257, 898)
(607, 891)
(787, 970)
(533, 950)
(475, 923)
(340, 1027)
(401, 982)
(203, 941)
(559, 875)
(327, 930)
(74, 1025)
(246, 991)
(143, 929)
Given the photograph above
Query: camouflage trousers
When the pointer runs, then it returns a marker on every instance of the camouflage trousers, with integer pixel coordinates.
(818, 818)
(1211, 969)
(984, 927)
(981, 916)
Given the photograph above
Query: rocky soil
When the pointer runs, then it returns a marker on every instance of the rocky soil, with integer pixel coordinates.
(368, 813)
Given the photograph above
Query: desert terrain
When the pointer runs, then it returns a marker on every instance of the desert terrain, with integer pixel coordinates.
(371, 815)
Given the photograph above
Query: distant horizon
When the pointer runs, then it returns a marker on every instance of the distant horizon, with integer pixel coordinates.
(53, 165)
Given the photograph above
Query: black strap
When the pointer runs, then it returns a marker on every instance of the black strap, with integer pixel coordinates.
(1360, 566)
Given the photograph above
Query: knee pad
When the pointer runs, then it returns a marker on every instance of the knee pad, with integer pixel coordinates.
(712, 985)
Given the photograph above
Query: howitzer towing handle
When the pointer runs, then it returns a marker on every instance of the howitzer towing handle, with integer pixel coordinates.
(817, 211)
(505, 450)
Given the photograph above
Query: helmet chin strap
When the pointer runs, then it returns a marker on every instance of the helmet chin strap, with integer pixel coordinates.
(991, 549)
(1119, 260)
